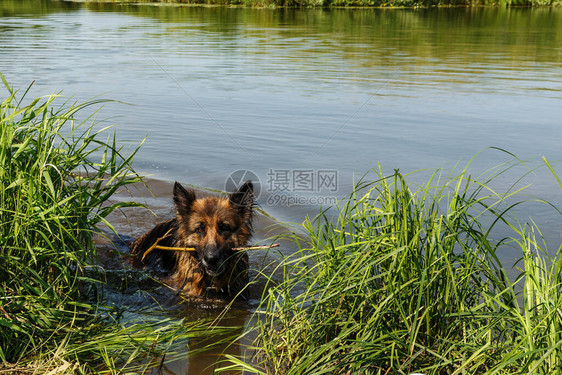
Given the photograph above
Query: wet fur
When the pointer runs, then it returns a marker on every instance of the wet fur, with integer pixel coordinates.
(214, 267)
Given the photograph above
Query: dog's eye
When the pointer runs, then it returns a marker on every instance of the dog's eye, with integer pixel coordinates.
(200, 228)
(224, 227)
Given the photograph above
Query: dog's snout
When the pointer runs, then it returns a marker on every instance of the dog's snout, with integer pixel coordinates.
(211, 259)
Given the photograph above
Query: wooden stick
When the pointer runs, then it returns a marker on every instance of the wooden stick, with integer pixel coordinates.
(234, 248)
(256, 247)
(170, 248)
(155, 244)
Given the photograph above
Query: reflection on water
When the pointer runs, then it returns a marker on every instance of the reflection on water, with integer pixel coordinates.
(216, 90)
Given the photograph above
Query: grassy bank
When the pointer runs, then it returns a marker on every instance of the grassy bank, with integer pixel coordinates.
(345, 3)
(407, 280)
(56, 178)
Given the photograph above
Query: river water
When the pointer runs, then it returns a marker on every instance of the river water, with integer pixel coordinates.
(305, 101)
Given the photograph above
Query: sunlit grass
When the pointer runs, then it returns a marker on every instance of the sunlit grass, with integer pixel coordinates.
(407, 280)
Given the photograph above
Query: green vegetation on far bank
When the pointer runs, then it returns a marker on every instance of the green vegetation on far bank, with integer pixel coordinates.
(407, 280)
(342, 3)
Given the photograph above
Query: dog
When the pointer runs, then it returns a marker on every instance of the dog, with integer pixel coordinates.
(214, 226)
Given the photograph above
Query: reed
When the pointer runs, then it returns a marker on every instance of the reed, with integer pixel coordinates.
(407, 280)
(56, 179)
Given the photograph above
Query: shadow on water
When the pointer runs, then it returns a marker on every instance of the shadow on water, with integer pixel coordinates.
(139, 294)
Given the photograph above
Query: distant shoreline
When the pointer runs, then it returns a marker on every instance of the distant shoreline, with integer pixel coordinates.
(382, 4)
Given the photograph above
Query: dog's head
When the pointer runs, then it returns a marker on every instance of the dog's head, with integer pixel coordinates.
(214, 225)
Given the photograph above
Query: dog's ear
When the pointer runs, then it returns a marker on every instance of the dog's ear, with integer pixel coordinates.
(243, 199)
(183, 199)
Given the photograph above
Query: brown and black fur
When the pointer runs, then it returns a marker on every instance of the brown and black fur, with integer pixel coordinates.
(213, 226)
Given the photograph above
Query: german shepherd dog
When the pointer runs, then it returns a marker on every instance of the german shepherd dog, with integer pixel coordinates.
(214, 226)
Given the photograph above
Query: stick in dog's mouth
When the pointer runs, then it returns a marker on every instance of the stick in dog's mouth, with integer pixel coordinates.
(171, 248)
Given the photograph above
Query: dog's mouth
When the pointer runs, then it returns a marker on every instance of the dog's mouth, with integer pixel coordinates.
(213, 271)
(214, 261)
(214, 266)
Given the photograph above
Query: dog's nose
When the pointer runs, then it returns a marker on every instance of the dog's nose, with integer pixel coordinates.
(211, 259)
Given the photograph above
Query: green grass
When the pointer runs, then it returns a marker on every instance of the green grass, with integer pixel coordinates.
(56, 179)
(407, 280)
